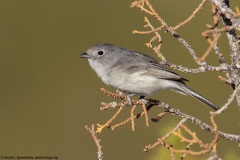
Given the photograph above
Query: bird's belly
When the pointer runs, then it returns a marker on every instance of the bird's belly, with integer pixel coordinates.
(138, 83)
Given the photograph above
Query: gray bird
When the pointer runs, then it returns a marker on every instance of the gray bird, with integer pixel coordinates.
(136, 73)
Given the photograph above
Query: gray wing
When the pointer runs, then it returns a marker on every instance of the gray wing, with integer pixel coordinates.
(159, 71)
(138, 62)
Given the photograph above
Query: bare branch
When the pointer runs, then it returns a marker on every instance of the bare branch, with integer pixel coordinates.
(198, 122)
(96, 140)
(226, 105)
(197, 10)
(160, 141)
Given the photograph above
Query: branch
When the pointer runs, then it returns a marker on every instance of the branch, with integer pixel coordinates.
(225, 106)
(195, 121)
(96, 140)
(197, 10)
(149, 103)
(161, 141)
(225, 10)
(195, 70)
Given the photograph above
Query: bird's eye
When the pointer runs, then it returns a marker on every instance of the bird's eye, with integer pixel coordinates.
(100, 52)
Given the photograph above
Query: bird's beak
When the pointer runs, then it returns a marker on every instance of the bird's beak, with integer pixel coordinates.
(85, 55)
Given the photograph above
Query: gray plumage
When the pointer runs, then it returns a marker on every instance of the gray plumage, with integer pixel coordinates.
(136, 73)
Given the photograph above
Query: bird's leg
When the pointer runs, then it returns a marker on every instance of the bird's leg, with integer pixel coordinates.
(129, 99)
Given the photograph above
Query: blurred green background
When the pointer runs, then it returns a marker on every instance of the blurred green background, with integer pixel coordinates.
(48, 94)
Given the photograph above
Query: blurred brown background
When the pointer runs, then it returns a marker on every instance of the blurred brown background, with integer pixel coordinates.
(48, 94)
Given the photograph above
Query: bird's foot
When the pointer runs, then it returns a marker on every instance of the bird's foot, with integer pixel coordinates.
(129, 100)
(143, 100)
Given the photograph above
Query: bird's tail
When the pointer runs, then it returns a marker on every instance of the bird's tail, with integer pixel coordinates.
(185, 89)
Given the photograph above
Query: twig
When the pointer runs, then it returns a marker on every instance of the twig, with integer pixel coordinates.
(136, 3)
(213, 43)
(100, 127)
(157, 50)
(195, 70)
(96, 140)
(225, 10)
(160, 141)
(132, 117)
(213, 144)
(150, 103)
(226, 105)
(197, 10)
(159, 116)
(186, 45)
(197, 122)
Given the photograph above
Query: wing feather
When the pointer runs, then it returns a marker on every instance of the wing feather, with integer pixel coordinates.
(159, 71)
(138, 62)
